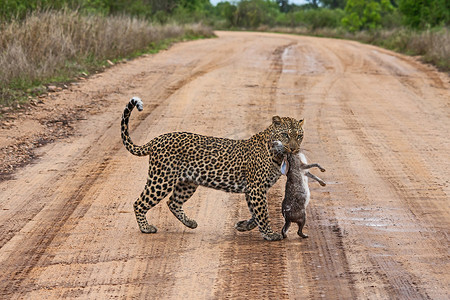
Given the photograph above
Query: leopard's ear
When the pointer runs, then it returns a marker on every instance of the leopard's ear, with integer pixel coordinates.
(301, 122)
(276, 120)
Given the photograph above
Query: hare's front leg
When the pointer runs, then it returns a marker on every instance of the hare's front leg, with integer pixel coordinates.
(312, 176)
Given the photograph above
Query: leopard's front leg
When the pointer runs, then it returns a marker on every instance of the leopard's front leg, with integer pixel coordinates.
(257, 199)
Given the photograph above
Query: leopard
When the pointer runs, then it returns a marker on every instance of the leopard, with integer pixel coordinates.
(179, 162)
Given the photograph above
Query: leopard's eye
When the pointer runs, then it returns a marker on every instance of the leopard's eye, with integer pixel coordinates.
(300, 137)
(285, 135)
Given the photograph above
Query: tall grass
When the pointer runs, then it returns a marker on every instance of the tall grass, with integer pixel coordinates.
(433, 45)
(55, 45)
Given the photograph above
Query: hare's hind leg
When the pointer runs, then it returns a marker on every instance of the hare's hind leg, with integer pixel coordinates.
(301, 223)
(285, 228)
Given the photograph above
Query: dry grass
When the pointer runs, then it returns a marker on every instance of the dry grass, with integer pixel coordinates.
(53, 45)
(433, 45)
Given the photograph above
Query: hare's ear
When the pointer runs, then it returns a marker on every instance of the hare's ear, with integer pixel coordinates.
(284, 166)
(301, 122)
(276, 120)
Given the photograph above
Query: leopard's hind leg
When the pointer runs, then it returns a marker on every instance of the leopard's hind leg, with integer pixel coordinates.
(247, 225)
(182, 192)
(153, 193)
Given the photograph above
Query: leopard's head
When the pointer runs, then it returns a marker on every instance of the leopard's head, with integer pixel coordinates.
(287, 135)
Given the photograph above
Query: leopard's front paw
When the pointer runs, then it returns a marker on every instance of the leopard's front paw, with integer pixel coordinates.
(245, 225)
(190, 223)
(272, 236)
(146, 228)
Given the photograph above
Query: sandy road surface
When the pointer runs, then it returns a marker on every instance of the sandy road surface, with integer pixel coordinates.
(377, 121)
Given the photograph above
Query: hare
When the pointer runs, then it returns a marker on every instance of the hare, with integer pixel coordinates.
(297, 194)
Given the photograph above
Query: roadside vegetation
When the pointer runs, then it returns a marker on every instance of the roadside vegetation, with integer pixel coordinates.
(407, 26)
(42, 45)
(43, 42)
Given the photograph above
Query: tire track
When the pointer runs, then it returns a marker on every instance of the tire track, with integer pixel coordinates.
(319, 262)
(268, 89)
(276, 69)
(405, 285)
(16, 269)
(325, 262)
(387, 267)
(257, 267)
(250, 266)
(390, 140)
(318, 266)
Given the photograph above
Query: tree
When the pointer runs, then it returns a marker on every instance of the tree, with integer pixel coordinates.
(253, 13)
(420, 14)
(226, 10)
(313, 3)
(365, 14)
(284, 6)
(333, 4)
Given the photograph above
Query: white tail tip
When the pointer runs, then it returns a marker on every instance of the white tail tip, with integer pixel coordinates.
(136, 101)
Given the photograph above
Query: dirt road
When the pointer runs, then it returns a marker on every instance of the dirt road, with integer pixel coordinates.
(377, 121)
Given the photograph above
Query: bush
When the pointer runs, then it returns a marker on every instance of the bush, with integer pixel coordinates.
(317, 18)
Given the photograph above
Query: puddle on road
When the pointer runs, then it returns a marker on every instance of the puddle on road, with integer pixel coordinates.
(297, 62)
(378, 218)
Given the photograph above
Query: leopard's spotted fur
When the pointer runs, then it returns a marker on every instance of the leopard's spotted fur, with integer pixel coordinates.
(181, 161)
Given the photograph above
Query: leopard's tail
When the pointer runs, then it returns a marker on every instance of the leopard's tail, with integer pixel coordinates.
(131, 147)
